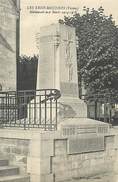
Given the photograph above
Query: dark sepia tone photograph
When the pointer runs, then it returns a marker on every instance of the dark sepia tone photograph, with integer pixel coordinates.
(58, 91)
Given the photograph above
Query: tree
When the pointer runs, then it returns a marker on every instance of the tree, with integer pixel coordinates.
(98, 50)
(27, 72)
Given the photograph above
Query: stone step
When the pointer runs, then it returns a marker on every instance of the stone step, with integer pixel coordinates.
(8, 170)
(15, 178)
(4, 162)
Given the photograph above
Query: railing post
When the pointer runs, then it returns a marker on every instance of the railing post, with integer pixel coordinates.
(56, 115)
(7, 107)
(24, 104)
(34, 108)
(40, 109)
(45, 110)
(51, 111)
(104, 108)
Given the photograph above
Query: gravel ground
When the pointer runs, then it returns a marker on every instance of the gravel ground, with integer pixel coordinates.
(99, 178)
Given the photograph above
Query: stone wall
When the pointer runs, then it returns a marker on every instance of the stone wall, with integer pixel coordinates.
(53, 159)
(49, 156)
(66, 167)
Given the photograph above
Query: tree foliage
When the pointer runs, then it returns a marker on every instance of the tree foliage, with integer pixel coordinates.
(27, 72)
(98, 49)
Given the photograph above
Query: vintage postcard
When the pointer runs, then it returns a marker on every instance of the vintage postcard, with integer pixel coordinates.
(58, 91)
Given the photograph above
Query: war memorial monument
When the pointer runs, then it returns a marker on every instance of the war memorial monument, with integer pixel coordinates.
(76, 147)
(58, 69)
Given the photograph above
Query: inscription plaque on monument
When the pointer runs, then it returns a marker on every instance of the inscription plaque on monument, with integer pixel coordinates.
(78, 126)
(88, 143)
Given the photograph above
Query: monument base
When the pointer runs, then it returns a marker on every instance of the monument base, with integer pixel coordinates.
(73, 118)
(78, 126)
(70, 107)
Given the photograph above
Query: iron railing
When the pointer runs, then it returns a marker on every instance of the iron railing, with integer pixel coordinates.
(29, 109)
(103, 107)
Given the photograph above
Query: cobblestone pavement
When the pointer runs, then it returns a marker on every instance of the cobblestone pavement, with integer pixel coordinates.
(99, 178)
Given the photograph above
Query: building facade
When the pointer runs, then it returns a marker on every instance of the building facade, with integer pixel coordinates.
(9, 43)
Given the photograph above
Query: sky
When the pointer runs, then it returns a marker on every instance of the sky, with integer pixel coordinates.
(30, 23)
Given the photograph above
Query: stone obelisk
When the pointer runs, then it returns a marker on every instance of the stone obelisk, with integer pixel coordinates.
(58, 67)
